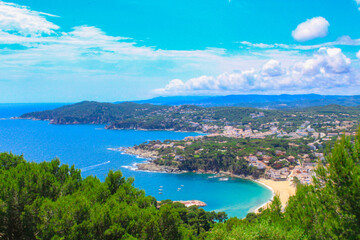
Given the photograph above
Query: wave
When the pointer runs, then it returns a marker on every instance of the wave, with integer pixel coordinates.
(118, 149)
(93, 166)
(132, 167)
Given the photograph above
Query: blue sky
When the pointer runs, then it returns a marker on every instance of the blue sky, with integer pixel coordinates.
(68, 51)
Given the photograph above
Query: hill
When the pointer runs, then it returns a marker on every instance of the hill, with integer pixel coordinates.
(284, 101)
(50, 200)
(94, 112)
(146, 116)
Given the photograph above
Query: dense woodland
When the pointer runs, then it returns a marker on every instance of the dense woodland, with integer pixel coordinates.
(52, 201)
(93, 112)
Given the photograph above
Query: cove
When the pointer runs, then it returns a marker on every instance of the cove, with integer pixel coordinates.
(87, 147)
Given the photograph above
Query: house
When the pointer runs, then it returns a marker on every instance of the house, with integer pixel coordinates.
(279, 153)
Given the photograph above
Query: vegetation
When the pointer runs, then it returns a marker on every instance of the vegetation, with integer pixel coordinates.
(93, 112)
(220, 153)
(128, 115)
(52, 201)
(329, 209)
(283, 101)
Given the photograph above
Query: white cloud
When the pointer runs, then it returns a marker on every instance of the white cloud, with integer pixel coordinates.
(327, 68)
(358, 3)
(310, 29)
(15, 18)
(358, 54)
(341, 41)
(88, 51)
(272, 68)
(329, 60)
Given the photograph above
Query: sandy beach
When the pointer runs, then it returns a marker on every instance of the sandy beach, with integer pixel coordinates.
(282, 188)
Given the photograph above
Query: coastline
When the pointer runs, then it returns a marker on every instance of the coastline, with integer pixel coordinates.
(282, 188)
(109, 127)
(266, 204)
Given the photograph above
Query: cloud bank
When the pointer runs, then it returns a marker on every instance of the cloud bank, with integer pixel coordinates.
(35, 54)
(327, 68)
(316, 27)
(21, 20)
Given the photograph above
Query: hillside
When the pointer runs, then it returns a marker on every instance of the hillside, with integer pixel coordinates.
(284, 101)
(52, 201)
(94, 112)
(129, 115)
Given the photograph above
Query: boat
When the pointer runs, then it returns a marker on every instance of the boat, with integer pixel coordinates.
(181, 185)
(160, 189)
(160, 193)
(224, 179)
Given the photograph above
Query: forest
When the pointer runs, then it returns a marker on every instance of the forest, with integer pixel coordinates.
(50, 200)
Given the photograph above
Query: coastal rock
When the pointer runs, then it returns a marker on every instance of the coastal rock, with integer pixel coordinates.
(188, 203)
(140, 152)
(156, 168)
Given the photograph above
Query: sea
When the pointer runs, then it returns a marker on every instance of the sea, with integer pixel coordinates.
(90, 148)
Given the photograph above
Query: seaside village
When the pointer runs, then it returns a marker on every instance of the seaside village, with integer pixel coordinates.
(303, 171)
(304, 167)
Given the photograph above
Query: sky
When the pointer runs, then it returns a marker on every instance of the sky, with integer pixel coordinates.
(115, 50)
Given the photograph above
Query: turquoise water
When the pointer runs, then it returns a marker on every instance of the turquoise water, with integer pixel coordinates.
(86, 146)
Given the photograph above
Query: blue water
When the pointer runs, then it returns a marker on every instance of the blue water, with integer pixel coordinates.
(86, 146)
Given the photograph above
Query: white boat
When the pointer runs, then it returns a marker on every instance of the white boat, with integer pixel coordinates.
(224, 179)
(181, 185)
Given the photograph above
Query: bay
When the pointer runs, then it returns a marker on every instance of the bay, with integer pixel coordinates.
(87, 147)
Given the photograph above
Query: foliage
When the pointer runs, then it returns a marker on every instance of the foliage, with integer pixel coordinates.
(52, 201)
(129, 115)
(329, 209)
(220, 153)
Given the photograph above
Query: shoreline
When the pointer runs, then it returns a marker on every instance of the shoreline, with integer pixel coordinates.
(266, 204)
(108, 127)
(282, 188)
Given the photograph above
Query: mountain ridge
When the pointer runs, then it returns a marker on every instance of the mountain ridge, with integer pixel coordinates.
(282, 101)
